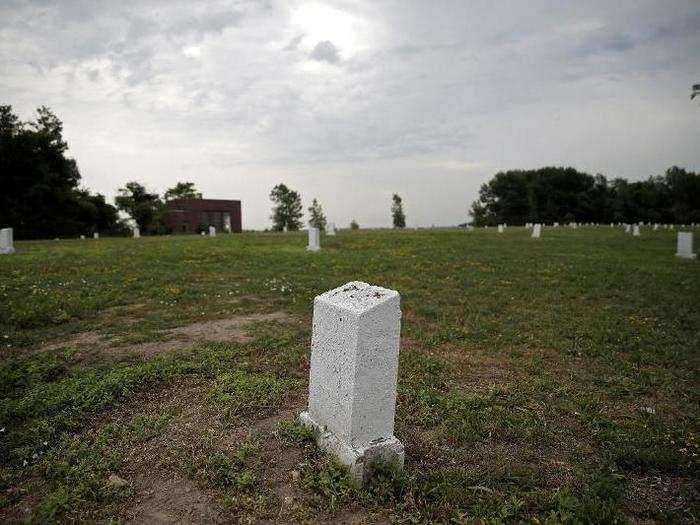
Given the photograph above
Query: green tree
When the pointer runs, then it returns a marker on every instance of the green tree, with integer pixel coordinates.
(143, 207)
(354, 225)
(40, 194)
(397, 213)
(316, 217)
(286, 212)
(564, 194)
(182, 190)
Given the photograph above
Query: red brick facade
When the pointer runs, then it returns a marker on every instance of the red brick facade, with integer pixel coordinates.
(195, 215)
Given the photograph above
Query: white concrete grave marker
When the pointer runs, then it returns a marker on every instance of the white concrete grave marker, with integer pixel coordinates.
(536, 231)
(685, 245)
(203, 233)
(212, 231)
(330, 229)
(627, 228)
(352, 382)
(656, 226)
(137, 232)
(95, 235)
(82, 237)
(635, 230)
(7, 245)
(500, 228)
(314, 240)
(556, 225)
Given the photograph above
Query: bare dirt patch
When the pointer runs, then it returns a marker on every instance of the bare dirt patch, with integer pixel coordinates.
(171, 500)
(233, 329)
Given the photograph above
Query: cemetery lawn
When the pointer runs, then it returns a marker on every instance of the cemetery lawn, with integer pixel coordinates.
(158, 379)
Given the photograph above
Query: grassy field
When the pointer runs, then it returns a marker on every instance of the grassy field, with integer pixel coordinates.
(157, 379)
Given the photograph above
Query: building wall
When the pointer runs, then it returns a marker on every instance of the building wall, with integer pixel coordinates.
(194, 215)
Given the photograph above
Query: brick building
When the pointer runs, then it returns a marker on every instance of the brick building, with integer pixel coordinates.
(195, 215)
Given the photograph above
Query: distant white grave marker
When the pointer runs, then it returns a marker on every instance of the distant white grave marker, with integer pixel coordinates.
(314, 240)
(82, 237)
(536, 231)
(635, 230)
(7, 245)
(500, 228)
(95, 235)
(330, 229)
(352, 381)
(685, 245)
(212, 231)
(628, 228)
(137, 232)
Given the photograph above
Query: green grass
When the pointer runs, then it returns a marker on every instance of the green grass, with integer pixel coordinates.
(540, 380)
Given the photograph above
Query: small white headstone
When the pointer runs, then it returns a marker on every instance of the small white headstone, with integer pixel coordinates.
(203, 233)
(330, 229)
(314, 240)
(656, 226)
(536, 230)
(137, 232)
(685, 245)
(628, 228)
(500, 228)
(352, 381)
(212, 231)
(556, 225)
(7, 245)
(95, 235)
(635, 230)
(82, 237)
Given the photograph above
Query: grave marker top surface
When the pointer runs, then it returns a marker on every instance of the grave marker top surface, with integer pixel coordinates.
(357, 297)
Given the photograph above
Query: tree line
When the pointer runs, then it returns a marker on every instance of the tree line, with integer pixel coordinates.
(287, 211)
(556, 194)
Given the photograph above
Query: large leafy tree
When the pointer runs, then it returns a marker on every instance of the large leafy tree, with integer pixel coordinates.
(316, 217)
(397, 213)
(286, 212)
(143, 207)
(40, 194)
(182, 190)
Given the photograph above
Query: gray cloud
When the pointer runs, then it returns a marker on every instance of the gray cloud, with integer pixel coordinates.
(325, 51)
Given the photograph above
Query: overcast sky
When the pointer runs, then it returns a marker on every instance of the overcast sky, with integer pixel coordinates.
(350, 102)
